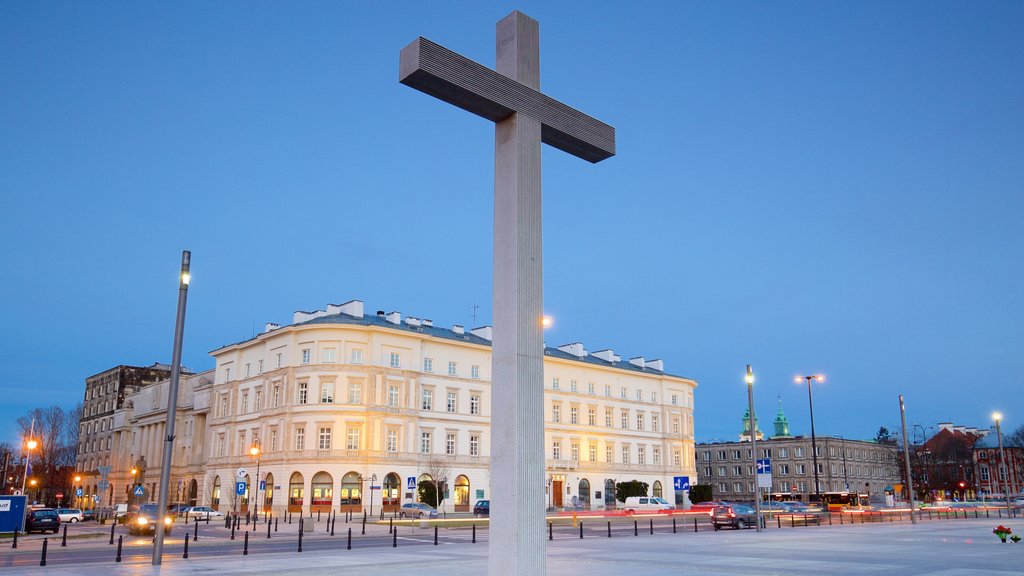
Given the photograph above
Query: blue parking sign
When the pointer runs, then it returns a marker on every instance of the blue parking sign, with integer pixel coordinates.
(240, 488)
(78, 492)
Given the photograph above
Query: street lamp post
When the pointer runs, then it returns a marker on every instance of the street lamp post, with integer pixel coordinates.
(1002, 462)
(814, 440)
(255, 452)
(752, 429)
(172, 400)
(78, 499)
(906, 460)
(373, 478)
(29, 445)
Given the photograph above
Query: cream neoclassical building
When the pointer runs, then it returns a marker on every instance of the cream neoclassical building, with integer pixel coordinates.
(351, 410)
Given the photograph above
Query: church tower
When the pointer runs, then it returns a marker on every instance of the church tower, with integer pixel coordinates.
(781, 423)
(745, 435)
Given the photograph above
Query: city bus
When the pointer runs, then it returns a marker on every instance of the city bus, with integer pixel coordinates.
(839, 501)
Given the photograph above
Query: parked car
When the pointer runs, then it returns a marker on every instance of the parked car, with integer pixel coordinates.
(88, 514)
(645, 504)
(482, 508)
(203, 512)
(147, 519)
(417, 510)
(70, 515)
(775, 507)
(707, 507)
(41, 520)
(735, 515)
(178, 509)
(120, 510)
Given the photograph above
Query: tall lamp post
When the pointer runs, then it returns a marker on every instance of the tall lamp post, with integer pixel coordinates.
(1002, 461)
(814, 440)
(78, 499)
(373, 479)
(752, 429)
(255, 453)
(172, 400)
(906, 460)
(29, 445)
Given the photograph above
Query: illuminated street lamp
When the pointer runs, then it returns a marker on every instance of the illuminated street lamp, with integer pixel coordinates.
(30, 445)
(814, 441)
(1002, 461)
(255, 453)
(751, 428)
(78, 480)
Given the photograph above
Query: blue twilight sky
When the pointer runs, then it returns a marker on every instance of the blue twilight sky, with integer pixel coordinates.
(803, 186)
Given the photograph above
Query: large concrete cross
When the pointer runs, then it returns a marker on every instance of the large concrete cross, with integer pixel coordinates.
(523, 119)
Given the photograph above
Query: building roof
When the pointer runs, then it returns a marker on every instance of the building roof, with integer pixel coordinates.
(381, 321)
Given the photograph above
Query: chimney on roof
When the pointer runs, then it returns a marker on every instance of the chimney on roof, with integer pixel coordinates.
(380, 313)
(351, 308)
(607, 355)
(428, 323)
(576, 349)
(483, 332)
(303, 316)
(458, 329)
(270, 326)
(393, 317)
(638, 362)
(412, 321)
(658, 365)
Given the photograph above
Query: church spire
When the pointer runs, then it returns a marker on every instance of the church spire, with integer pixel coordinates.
(781, 423)
(745, 434)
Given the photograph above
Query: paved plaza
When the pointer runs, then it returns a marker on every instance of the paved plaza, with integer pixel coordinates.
(938, 548)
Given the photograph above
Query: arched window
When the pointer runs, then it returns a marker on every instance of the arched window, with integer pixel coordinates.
(243, 500)
(429, 492)
(193, 493)
(268, 492)
(215, 493)
(585, 492)
(323, 489)
(609, 493)
(351, 490)
(392, 489)
(461, 494)
(296, 490)
(656, 490)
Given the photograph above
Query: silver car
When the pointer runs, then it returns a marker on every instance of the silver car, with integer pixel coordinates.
(417, 510)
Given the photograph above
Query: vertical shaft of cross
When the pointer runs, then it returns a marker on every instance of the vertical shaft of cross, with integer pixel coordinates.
(517, 542)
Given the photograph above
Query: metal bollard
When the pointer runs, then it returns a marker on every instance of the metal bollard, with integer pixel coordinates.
(350, 538)
(317, 515)
(364, 525)
(14, 542)
(474, 534)
(184, 555)
(550, 534)
(232, 530)
(245, 547)
(391, 525)
(120, 541)
(435, 535)
(268, 530)
(394, 539)
(830, 519)
(300, 534)
(275, 524)
(195, 532)
(652, 525)
(330, 524)
(673, 525)
(112, 526)
(207, 518)
(42, 560)
(581, 530)
(778, 520)
(636, 530)
(610, 528)
(64, 538)
(694, 524)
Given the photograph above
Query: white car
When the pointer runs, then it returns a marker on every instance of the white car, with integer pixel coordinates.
(203, 512)
(69, 514)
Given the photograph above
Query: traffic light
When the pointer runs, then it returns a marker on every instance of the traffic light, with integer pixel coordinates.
(962, 485)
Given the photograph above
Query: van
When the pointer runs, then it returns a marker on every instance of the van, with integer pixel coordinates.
(120, 510)
(645, 503)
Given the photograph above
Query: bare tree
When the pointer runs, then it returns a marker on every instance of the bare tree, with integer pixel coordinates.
(438, 469)
(53, 460)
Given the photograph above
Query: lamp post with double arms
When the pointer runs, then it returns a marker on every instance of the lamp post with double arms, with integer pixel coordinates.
(256, 453)
(1002, 462)
(814, 440)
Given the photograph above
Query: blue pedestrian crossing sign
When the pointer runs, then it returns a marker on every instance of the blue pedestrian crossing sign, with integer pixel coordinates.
(411, 482)
(139, 490)
(240, 488)
(681, 482)
(79, 492)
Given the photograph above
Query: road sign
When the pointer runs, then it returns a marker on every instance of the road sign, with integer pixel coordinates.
(79, 492)
(60, 495)
(95, 497)
(139, 490)
(372, 487)
(263, 484)
(681, 483)
(103, 485)
(103, 470)
(411, 482)
(240, 488)
(17, 492)
(241, 473)
(764, 473)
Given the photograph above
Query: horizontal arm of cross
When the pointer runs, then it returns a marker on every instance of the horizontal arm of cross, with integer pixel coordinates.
(436, 70)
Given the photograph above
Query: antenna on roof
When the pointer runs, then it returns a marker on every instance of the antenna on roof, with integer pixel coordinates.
(475, 308)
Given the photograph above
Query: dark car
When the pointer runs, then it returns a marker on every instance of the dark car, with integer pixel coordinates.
(735, 515)
(482, 508)
(41, 520)
(88, 514)
(146, 520)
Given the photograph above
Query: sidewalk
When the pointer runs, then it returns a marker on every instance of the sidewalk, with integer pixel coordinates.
(960, 548)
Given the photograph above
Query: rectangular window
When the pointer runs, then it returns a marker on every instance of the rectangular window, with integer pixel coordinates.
(325, 438)
(279, 359)
(449, 444)
(639, 395)
(675, 430)
(798, 452)
(474, 404)
(474, 372)
(395, 360)
(357, 356)
(574, 415)
(607, 418)
(246, 369)
(655, 425)
(327, 393)
(639, 421)
(327, 356)
(303, 392)
(641, 455)
(474, 445)
(428, 364)
(609, 450)
(656, 455)
(227, 374)
(424, 442)
(242, 448)
(677, 460)
(392, 442)
(721, 471)
(984, 472)
(608, 391)
(355, 393)
(273, 439)
(259, 365)
(625, 420)
(305, 355)
(783, 452)
(591, 417)
(572, 386)
(801, 469)
(453, 369)
(592, 451)
(554, 384)
(452, 404)
(654, 397)
(574, 449)
(245, 404)
(300, 438)
(428, 400)
(556, 450)
(259, 401)
(556, 413)
(622, 392)
(393, 395)
(352, 440)
(625, 454)
(675, 399)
